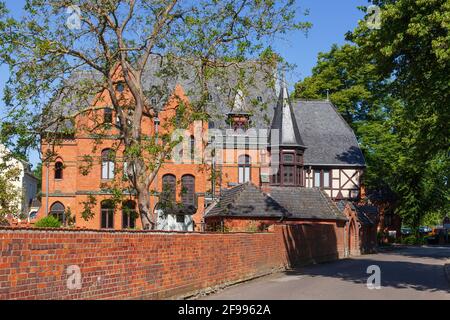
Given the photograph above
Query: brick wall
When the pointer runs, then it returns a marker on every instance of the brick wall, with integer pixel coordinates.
(34, 264)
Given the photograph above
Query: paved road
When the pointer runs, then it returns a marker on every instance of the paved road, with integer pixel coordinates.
(406, 273)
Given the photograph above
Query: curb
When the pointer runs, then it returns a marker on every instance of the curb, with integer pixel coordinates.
(381, 249)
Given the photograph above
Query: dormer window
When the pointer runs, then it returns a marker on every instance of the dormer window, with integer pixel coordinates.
(239, 122)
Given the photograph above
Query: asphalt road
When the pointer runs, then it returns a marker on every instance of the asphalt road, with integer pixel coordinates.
(406, 273)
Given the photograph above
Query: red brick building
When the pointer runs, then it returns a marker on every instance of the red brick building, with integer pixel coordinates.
(298, 157)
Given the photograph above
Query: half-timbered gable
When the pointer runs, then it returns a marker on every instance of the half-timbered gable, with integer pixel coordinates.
(333, 160)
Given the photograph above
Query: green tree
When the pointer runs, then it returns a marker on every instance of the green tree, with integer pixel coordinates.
(348, 80)
(37, 172)
(411, 49)
(393, 85)
(47, 50)
(10, 192)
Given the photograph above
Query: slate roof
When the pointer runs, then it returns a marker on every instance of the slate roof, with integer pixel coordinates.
(161, 76)
(315, 125)
(307, 203)
(35, 203)
(367, 214)
(246, 200)
(327, 136)
(86, 85)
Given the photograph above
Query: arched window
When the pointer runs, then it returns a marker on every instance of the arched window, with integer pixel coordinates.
(129, 215)
(188, 190)
(107, 164)
(244, 168)
(107, 214)
(169, 187)
(58, 211)
(107, 115)
(59, 170)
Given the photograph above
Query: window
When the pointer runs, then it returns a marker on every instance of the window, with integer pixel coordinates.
(107, 214)
(129, 215)
(125, 170)
(244, 168)
(260, 99)
(192, 147)
(180, 218)
(188, 190)
(316, 179)
(107, 164)
(120, 87)
(322, 178)
(300, 176)
(33, 215)
(126, 176)
(108, 115)
(326, 178)
(288, 158)
(153, 101)
(276, 176)
(288, 175)
(58, 211)
(169, 187)
(59, 170)
(210, 97)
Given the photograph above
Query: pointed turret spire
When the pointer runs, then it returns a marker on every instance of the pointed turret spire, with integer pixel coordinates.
(284, 120)
(238, 106)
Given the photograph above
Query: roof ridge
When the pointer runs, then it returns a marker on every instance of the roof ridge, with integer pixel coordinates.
(217, 200)
(299, 99)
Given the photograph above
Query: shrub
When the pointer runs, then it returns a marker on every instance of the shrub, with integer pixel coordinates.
(412, 240)
(48, 222)
(4, 222)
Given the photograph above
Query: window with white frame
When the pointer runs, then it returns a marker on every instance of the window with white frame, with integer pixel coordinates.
(244, 168)
(107, 164)
(317, 178)
(326, 178)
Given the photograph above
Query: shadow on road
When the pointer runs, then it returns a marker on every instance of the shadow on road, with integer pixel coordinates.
(395, 274)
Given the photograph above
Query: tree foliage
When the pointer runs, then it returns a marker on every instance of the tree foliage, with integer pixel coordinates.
(59, 62)
(10, 191)
(393, 85)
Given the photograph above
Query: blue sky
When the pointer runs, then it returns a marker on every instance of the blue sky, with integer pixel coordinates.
(331, 19)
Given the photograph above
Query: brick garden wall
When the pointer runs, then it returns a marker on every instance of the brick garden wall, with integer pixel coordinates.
(36, 264)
